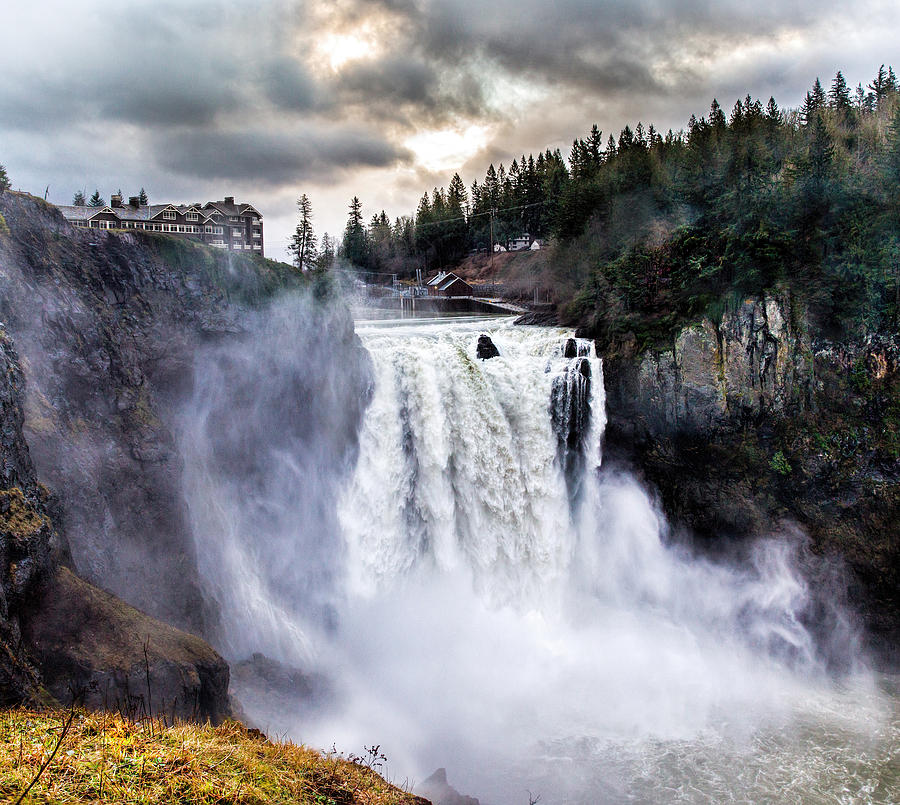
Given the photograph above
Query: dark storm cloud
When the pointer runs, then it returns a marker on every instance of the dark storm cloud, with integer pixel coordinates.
(408, 80)
(275, 159)
(288, 85)
(597, 46)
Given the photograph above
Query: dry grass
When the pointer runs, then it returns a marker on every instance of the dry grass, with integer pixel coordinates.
(105, 758)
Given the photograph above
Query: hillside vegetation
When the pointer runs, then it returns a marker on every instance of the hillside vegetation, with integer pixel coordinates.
(653, 230)
(104, 757)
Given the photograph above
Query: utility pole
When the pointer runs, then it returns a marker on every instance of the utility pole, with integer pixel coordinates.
(491, 247)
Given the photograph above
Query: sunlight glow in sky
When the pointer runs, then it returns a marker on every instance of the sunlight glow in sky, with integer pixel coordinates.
(339, 49)
(445, 150)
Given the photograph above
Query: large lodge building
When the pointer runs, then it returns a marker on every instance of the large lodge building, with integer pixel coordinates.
(223, 224)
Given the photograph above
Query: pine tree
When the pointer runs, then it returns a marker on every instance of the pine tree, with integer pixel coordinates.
(611, 149)
(79, 200)
(96, 200)
(492, 187)
(863, 102)
(818, 94)
(4, 179)
(595, 147)
(820, 155)
(457, 196)
(717, 117)
(354, 246)
(326, 256)
(303, 243)
(891, 156)
(640, 138)
(839, 96)
(142, 197)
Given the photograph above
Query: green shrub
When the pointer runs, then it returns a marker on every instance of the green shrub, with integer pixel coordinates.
(780, 464)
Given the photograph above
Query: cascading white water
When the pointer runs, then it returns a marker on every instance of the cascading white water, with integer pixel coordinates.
(497, 604)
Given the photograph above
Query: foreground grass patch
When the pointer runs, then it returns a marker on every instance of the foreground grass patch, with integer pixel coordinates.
(105, 758)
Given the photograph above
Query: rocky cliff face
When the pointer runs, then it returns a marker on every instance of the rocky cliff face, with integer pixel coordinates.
(59, 635)
(753, 361)
(26, 534)
(106, 326)
(748, 424)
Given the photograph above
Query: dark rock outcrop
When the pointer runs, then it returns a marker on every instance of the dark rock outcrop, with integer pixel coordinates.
(570, 413)
(26, 533)
(440, 792)
(486, 348)
(285, 695)
(542, 317)
(748, 423)
(58, 633)
(92, 646)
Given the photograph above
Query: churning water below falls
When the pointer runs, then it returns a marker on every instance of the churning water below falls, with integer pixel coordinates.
(497, 603)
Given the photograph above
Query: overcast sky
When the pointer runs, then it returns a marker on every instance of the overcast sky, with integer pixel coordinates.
(384, 99)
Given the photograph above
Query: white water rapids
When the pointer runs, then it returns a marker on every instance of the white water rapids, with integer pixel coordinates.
(472, 607)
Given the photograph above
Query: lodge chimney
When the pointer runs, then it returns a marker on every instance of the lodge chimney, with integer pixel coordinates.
(115, 200)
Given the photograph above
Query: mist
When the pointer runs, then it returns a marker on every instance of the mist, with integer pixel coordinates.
(397, 526)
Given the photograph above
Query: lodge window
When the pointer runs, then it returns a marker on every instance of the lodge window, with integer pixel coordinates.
(192, 216)
(170, 214)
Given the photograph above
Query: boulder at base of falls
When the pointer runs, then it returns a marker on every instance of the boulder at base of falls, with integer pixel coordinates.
(88, 642)
(486, 348)
(570, 350)
(274, 695)
(440, 792)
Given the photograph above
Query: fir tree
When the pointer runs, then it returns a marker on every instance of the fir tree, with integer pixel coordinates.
(142, 197)
(96, 200)
(354, 246)
(839, 97)
(325, 259)
(818, 94)
(303, 243)
(4, 179)
(891, 157)
(595, 147)
(79, 200)
(611, 149)
(717, 117)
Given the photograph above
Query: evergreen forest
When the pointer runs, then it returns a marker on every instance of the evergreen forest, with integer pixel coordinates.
(649, 230)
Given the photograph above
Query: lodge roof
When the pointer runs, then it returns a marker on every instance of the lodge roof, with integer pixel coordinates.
(147, 212)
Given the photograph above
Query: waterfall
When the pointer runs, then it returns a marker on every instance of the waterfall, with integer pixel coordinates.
(460, 463)
(480, 592)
